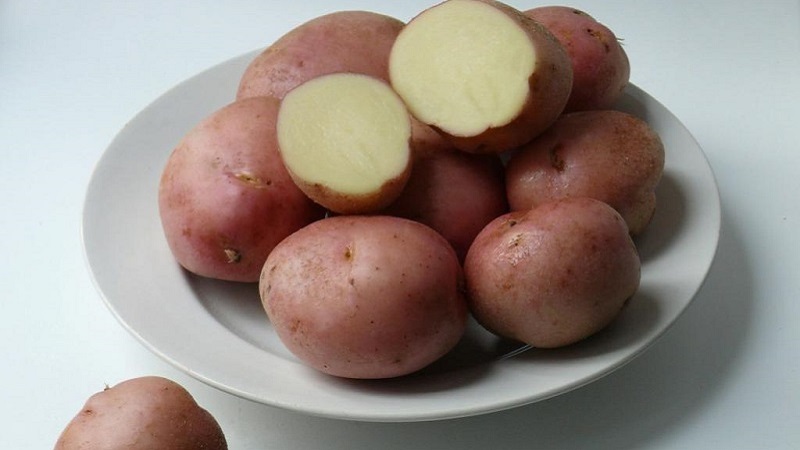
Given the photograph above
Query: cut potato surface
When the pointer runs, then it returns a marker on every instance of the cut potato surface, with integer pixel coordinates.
(345, 140)
(480, 72)
(474, 77)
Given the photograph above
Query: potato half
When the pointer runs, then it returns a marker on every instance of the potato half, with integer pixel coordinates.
(344, 139)
(482, 73)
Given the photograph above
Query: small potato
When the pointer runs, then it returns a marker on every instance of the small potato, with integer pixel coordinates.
(225, 198)
(482, 73)
(343, 41)
(600, 66)
(554, 275)
(455, 193)
(365, 296)
(151, 413)
(345, 140)
(607, 155)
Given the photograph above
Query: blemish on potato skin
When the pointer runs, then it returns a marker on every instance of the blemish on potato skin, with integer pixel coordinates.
(555, 157)
(349, 252)
(233, 256)
(252, 180)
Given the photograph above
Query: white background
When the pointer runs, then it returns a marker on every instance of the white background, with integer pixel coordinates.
(726, 375)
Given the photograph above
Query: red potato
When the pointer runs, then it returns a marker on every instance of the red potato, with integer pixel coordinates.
(225, 198)
(455, 193)
(607, 155)
(345, 140)
(365, 296)
(482, 73)
(343, 41)
(600, 66)
(151, 413)
(553, 275)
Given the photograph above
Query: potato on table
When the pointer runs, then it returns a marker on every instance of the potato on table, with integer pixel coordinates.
(553, 275)
(600, 65)
(607, 155)
(482, 73)
(365, 296)
(345, 140)
(151, 413)
(225, 198)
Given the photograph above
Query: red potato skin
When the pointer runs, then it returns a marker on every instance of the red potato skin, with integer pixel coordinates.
(365, 296)
(600, 65)
(344, 41)
(225, 197)
(554, 275)
(607, 155)
(455, 193)
(151, 413)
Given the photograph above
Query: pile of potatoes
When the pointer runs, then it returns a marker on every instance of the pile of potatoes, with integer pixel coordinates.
(381, 181)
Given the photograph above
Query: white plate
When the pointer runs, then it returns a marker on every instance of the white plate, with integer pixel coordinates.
(218, 332)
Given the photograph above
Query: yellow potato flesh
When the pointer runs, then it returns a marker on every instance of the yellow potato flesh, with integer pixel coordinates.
(463, 66)
(347, 132)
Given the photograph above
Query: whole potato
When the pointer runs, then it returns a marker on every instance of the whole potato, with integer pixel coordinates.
(455, 193)
(553, 275)
(600, 66)
(151, 413)
(343, 41)
(225, 197)
(365, 296)
(607, 155)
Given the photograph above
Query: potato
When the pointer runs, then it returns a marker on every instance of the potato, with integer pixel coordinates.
(225, 198)
(482, 73)
(344, 41)
(600, 66)
(553, 275)
(455, 193)
(345, 140)
(607, 155)
(365, 296)
(151, 413)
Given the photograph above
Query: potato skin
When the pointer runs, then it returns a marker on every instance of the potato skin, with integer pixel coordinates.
(142, 413)
(553, 275)
(607, 155)
(455, 193)
(600, 65)
(225, 198)
(343, 41)
(365, 296)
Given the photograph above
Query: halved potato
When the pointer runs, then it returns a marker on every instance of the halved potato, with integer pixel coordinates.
(344, 139)
(482, 73)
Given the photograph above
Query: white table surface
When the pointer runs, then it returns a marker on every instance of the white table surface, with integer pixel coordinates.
(725, 376)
